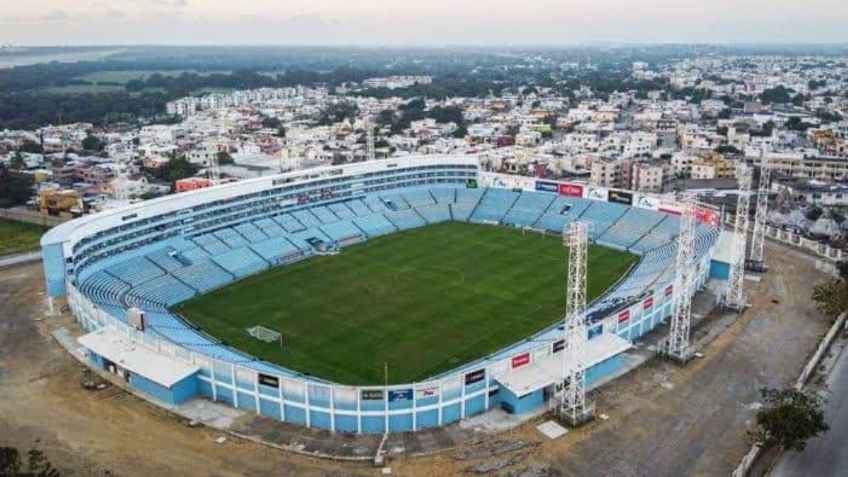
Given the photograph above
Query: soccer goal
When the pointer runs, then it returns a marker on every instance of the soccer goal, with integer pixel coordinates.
(265, 334)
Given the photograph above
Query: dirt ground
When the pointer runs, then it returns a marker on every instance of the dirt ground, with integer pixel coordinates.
(664, 420)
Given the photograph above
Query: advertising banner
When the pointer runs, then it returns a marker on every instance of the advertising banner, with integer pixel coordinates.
(400, 395)
(426, 391)
(520, 360)
(646, 202)
(545, 186)
(648, 303)
(571, 190)
(669, 290)
(475, 376)
(623, 316)
(268, 380)
(620, 197)
(598, 193)
(670, 208)
(707, 216)
(559, 345)
(372, 394)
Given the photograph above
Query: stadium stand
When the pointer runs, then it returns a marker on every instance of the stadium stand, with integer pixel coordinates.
(628, 229)
(203, 276)
(374, 225)
(136, 271)
(240, 261)
(528, 208)
(250, 232)
(600, 216)
(289, 223)
(494, 205)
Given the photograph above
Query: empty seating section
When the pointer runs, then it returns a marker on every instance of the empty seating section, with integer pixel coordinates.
(183, 267)
(231, 238)
(164, 259)
(562, 211)
(374, 225)
(666, 230)
(105, 289)
(211, 244)
(136, 271)
(444, 195)
(203, 276)
(341, 230)
(250, 232)
(269, 227)
(159, 293)
(600, 216)
(466, 201)
(276, 249)
(324, 214)
(358, 207)
(418, 198)
(394, 201)
(528, 208)
(405, 219)
(494, 205)
(435, 213)
(306, 218)
(627, 230)
(194, 255)
(289, 223)
(240, 261)
(341, 210)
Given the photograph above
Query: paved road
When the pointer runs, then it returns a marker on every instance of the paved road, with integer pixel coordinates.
(10, 260)
(825, 456)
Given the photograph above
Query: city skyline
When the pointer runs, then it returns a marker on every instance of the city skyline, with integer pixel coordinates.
(437, 23)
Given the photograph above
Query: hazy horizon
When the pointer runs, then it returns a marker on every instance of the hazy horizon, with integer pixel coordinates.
(440, 23)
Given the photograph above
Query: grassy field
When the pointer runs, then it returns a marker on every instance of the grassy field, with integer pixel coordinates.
(16, 237)
(125, 76)
(422, 301)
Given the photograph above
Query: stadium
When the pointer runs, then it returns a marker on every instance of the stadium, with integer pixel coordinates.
(384, 296)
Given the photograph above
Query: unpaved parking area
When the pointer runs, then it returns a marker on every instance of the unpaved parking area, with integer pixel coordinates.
(664, 420)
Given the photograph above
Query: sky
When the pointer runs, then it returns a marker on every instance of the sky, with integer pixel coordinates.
(420, 22)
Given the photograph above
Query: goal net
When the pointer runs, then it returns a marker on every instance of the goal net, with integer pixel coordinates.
(265, 334)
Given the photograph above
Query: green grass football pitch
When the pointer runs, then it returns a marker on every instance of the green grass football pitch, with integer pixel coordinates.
(421, 302)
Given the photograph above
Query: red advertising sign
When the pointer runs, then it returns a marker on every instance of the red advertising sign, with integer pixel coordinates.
(707, 216)
(571, 190)
(648, 303)
(520, 360)
(623, 316)
(669, 290)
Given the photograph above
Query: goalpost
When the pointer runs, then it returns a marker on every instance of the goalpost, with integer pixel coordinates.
(266, 334)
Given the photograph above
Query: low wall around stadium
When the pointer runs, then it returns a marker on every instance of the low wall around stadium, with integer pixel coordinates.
(378, 409)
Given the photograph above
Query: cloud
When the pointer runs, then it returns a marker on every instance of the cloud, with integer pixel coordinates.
(54, 15)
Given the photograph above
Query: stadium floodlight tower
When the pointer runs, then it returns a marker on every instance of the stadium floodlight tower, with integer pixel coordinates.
(734, 297)
(759, 236)
(573, 408)
(677, 345)
(369, 139)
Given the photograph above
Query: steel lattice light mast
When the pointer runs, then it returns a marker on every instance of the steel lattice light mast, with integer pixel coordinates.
(734, 297)
(370, 153)
(573, 406)
(677, 346)
(759, 236)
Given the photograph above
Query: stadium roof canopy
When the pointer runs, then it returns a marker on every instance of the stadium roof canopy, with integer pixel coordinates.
(548, 370)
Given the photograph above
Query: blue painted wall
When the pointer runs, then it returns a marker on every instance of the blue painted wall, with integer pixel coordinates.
(179, 392)
(521, 404)
(720, 270)
(54, 269)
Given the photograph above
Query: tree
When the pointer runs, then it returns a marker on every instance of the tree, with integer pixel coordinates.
(338, 112)
(224, 158)
(177, 167)
(15, 188)
(460, 132)
(31, 146)
(831, 296)
(37, 464)
(813, 213)
(778, 94)
(789, 418)
(92, 143)
(17, 162)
